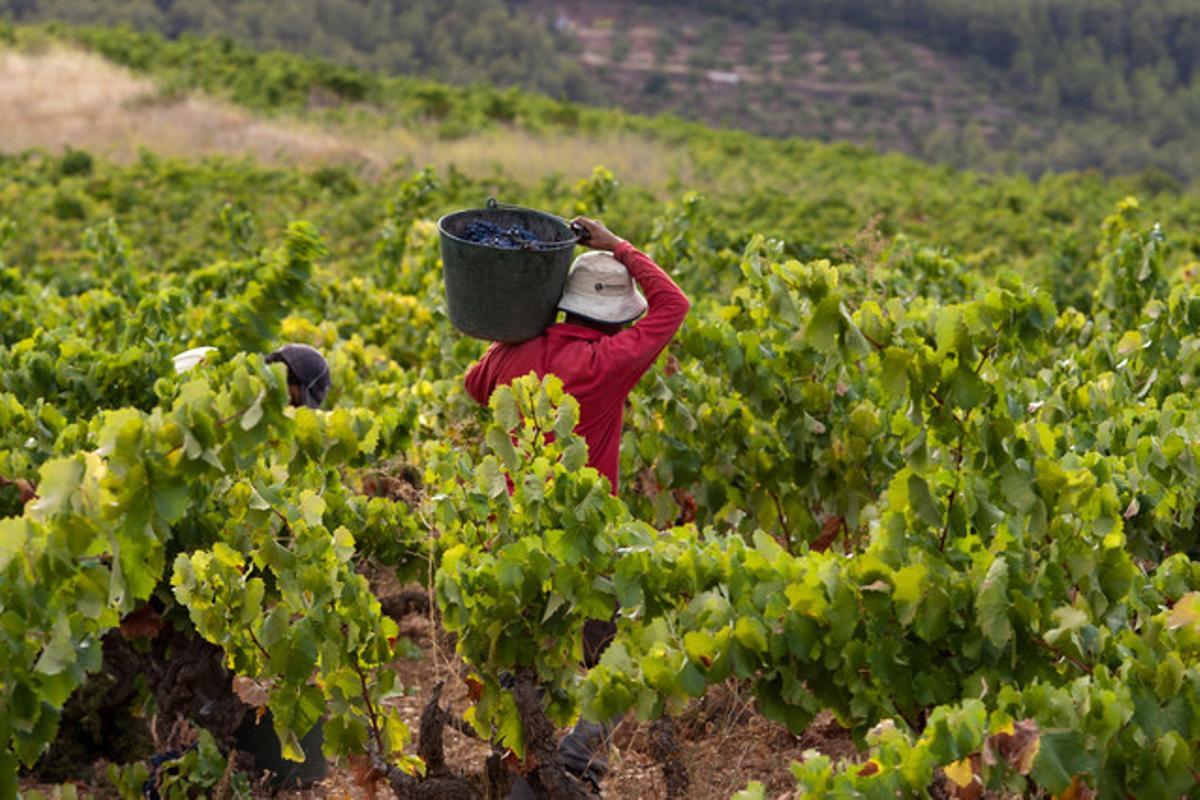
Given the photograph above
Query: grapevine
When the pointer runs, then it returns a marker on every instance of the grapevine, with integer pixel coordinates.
(945, 490)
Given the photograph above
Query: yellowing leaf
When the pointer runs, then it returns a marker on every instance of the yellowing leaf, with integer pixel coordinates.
(59, 481)
(910, 589)
(1130, 343)
(960, 772)
(312, 507)
(15, 533)
(1186, 613)
(751, 634)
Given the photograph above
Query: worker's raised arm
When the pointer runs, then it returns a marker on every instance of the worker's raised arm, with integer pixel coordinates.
(667, 304)
(631, 352)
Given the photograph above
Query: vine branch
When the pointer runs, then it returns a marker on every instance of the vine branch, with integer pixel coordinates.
(372, 717)
(258, 644)
(1040, 642)
(787, 533)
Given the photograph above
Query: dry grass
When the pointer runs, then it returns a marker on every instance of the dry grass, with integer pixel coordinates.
(68, 98)
(521, 155)
(64, 98)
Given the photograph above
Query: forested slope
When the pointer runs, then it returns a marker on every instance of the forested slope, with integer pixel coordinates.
(1012, 85)
(463, 41)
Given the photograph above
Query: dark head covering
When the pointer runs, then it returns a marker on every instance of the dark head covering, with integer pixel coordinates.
(307, 369)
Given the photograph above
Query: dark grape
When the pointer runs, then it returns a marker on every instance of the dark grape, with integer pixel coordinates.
(515, 237)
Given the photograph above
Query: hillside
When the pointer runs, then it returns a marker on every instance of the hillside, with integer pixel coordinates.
(830, 83)
(809, 194)
(1048, 86)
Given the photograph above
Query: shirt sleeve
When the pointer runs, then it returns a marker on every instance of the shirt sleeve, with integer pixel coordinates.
(630, 353)
(480, 379)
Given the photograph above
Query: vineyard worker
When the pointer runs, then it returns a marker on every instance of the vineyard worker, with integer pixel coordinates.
(599, 360)
(597, 357)
(308, 382)
(307, 371)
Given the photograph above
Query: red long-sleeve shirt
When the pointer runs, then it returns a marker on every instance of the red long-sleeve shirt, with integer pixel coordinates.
(597, 369)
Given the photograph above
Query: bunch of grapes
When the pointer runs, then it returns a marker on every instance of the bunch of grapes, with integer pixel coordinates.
(515, 237)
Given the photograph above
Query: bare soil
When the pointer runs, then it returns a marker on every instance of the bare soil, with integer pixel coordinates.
(724, 742)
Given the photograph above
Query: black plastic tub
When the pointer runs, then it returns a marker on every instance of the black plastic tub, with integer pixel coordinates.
(500, 294)
(257, 737)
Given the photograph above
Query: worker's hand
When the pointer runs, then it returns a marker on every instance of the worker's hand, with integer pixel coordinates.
(598, 237)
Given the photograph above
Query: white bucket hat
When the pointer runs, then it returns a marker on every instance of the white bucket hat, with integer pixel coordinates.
(601, 289)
